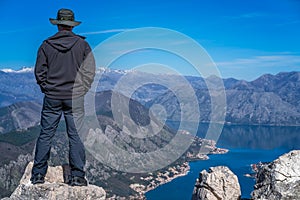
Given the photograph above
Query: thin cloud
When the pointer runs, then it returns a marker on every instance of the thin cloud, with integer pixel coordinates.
(104, 31)
(252, 15)
(288, 23)
(278, 60)
(248, 16)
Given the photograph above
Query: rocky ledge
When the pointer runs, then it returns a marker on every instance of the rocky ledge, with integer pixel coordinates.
(54, 188)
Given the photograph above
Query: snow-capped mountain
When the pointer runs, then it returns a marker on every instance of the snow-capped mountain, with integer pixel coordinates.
(22, 70)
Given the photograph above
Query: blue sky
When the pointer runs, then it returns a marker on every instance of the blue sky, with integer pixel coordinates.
(245, 38)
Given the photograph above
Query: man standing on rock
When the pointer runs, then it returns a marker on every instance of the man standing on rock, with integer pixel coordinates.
(64, 70)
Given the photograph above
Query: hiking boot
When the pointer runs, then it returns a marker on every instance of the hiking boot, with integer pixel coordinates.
(78, 181)
(38, 178)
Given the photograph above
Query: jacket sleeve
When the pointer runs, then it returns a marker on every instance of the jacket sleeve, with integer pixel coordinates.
(88, 68)
(41, 69)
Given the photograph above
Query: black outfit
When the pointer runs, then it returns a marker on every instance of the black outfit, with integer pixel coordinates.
(64, 70)
(57, 66)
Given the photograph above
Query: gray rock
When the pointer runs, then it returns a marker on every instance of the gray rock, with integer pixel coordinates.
(11, 173)
(54, 188)
(279, 179)
(219, 183)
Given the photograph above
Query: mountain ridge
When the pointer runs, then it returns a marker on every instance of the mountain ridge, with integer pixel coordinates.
(267, 100)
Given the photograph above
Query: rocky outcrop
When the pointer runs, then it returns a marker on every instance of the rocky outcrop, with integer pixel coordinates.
(279, 179)
(219, 183)
(54, 188)
(11, 173)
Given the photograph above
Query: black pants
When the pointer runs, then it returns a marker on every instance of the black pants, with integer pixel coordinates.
(73, 113)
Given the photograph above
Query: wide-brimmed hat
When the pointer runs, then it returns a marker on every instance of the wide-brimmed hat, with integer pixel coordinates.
(65, 17)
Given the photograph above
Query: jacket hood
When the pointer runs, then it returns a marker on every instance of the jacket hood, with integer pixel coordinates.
(63, 40)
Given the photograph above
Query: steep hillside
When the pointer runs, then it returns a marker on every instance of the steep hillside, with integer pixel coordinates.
(270, 100)
(116, 183)
(19, 116)
(18, 87)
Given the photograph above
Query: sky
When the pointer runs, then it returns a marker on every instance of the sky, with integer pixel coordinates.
(244, 38)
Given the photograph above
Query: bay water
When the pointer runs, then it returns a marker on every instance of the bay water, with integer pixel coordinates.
(246, 144)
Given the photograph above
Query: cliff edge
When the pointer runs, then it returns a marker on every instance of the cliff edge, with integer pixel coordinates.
(279, 179)
(54, 188)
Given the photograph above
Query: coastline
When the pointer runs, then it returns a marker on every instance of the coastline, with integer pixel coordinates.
(156, 179)
(161, 178)
(141, 183)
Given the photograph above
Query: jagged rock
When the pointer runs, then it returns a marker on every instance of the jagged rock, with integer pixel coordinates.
(219, 183)
(11, 173)
(54, 188)
(280, 179)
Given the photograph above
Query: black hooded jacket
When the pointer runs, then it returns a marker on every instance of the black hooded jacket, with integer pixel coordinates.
(65, 66)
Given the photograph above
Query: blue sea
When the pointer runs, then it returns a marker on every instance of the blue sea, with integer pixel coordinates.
(247, 145)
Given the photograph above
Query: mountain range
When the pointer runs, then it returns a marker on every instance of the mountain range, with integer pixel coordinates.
(268, 100)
